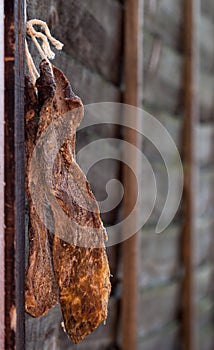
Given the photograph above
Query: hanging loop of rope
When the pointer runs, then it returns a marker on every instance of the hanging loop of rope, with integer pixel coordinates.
(43, 48)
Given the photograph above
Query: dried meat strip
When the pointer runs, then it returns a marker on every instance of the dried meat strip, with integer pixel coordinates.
(78, 252)
(80, 260)
(41, 292)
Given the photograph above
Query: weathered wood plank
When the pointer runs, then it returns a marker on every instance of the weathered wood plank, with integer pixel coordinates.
(160, 173)
(43, 332)
(160, 256)
(164, 94)
(203, 282)
(14, 175)
(203, 241)
(132, 95)
(204, 143)
(203, 321)
(204, 313)
(47, 333)
(2, 261)
(204, 203)
(206, 89)
(164, 18)
(159, 306)
(206, 30)
(161, 96)
(169, 63)
(191, 109)
(166, 338)
(205, 338)
(173, 125)
(90, 86)
(90, 30)
(207, 8)
(163, 73)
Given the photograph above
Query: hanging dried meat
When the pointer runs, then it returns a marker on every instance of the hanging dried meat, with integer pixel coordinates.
(41, 287)
(71, 264)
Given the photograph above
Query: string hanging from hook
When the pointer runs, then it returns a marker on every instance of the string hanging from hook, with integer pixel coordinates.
(43, 48)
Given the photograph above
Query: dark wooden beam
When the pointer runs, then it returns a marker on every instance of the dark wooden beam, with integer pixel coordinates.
(14, 175)
(191, 84)
(133, 90)
(2, 319)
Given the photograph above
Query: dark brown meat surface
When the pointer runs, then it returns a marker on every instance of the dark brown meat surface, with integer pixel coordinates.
(41, 287)
(77, 252)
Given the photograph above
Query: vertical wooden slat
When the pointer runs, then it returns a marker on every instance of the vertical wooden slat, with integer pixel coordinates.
(191, 17)
(2, 320)
(14, 175)
(133, 96)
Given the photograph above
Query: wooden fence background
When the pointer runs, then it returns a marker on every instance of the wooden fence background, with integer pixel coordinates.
(93, 59)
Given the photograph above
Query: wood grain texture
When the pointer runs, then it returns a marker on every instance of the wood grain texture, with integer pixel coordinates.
(191, 85)
(159, 261)
(97, 27)
(203, 202)
(165, 338)
(205, 337)
(43, 332)
(47, 332)
(163, 74)
(2, 262)
(162, 190)
(163, 69)
(159, 306)
(14, 179)
(206, 46)
(204, 144)
(133, 96)
(164, 19)
(174, 125)
(203, 241)
(203, 277)
(207, 8)
(206, 97)
(90, 85)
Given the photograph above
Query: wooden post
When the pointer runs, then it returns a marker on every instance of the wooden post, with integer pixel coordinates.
(191, 16)
(132, 96)
(14, 175)
(2, 319)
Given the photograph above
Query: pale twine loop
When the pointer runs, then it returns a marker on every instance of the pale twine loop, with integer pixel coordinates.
(44, 49)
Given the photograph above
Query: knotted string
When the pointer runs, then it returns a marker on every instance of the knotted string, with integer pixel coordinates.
(43, 48)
